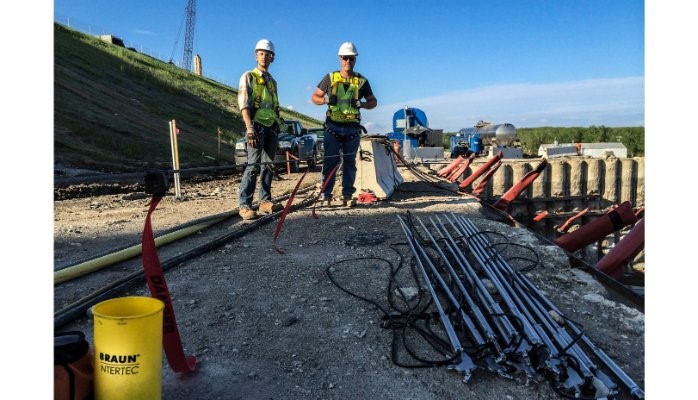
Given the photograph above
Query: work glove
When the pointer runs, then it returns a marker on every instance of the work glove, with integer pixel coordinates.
(251, 137)
(332, 100)
(357, 103)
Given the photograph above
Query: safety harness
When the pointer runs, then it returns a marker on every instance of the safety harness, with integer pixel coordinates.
(346, 91)
(347, 138)
(265, 100)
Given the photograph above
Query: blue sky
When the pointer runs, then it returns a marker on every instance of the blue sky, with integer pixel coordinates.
(530, 63)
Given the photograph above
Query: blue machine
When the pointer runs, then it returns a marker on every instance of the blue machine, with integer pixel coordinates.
(417, 123)
(465, 142)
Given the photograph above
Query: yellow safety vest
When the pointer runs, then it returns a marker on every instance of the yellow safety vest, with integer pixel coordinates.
(266, 102)
(344, 110)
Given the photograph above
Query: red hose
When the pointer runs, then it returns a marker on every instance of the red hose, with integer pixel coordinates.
(597, 229)
(447, 169)
(564, 227)
(630, 246)
(467, 181)
(503, 202)
(459, 171)
(483, 182)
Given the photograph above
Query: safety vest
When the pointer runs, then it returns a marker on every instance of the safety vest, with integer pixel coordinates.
(265, 100)
(347, 92)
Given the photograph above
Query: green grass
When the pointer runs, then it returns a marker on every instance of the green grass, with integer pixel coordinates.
(112, 106)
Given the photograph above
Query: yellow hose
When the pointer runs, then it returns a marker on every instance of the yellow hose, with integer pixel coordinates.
(130, 252)
(125, 254)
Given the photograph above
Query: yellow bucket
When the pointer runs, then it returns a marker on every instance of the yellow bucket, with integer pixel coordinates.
(128, 348)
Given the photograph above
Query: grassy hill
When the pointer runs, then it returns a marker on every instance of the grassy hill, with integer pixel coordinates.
(112, 108)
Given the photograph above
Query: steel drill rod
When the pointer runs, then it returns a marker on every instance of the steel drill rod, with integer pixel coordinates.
(477, 337)
(517, 293)
(480, 247)
(480, 244)
(467, 365)
(492, 363)
(505, 291)
(573, 381)
(533, 333)
(536, 333)
(635, 390)
(526, 289)
(471, 304)
(507, 330)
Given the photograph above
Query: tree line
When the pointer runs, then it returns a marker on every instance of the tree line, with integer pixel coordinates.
(632, 137)
(531, 138)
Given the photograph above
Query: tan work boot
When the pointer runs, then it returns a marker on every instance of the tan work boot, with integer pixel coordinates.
(266, 207)
(324, 200)
(348, 201)
(247, 213)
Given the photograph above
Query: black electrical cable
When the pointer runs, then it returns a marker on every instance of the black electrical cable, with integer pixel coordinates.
(224, 215)
(402, 320)
(421, 175)
(79, 307)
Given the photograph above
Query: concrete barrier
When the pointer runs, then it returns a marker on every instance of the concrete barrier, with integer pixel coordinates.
(566, 186)
(571, 183)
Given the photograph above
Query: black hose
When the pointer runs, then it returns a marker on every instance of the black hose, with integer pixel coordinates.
(78, 308)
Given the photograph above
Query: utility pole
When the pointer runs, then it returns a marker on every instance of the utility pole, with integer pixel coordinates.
(189, 34)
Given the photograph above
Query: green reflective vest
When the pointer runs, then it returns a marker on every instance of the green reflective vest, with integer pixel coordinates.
(266, 102)
(347, 92)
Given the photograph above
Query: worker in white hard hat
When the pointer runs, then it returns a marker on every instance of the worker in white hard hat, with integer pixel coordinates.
(345, 92)
(259, 106)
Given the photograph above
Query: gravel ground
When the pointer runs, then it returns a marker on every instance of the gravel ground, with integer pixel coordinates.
(265, 325)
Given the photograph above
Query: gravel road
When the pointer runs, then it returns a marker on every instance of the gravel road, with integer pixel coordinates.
(265, 325)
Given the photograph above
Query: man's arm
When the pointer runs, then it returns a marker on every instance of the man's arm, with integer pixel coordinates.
(244, 94)
(318, 97)
(367, 93)
(371, 102)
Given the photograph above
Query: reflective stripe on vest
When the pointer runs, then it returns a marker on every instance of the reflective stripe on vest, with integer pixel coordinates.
(266, 102)
(344, 110)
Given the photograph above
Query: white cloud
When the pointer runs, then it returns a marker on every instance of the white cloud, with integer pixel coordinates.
(143, 32)
(609, 102)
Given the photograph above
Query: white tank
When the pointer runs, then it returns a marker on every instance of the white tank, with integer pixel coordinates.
(503, 134)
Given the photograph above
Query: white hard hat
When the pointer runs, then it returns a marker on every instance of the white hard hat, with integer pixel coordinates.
(265, 44)
(348, 49)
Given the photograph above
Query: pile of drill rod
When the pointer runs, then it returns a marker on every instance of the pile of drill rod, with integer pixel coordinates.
(497, 320)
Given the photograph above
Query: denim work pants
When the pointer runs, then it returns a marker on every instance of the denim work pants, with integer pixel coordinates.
(267, 142)
(344, 138)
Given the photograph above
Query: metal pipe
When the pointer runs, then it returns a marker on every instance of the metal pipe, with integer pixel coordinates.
(474, 332)
(603, 385)
(502, 322)
(506, 292)
(466, 365)
(493, 364)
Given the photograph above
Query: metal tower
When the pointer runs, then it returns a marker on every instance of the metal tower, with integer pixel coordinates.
(189, 34)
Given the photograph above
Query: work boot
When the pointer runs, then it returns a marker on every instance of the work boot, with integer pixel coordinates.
(324, 200)
(348, 201)
(247, 213)
(266, 207)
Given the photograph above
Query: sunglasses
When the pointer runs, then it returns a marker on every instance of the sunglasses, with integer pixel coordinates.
(348, 58)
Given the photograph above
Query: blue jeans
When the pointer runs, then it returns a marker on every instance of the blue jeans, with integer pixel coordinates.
(267, 142)
(344, 138)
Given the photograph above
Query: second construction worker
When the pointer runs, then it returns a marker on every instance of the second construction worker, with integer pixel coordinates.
(343, 92)
(259, 106)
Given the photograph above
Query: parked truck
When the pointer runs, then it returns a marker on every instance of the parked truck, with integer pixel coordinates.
(485, 138)
(295, 140)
